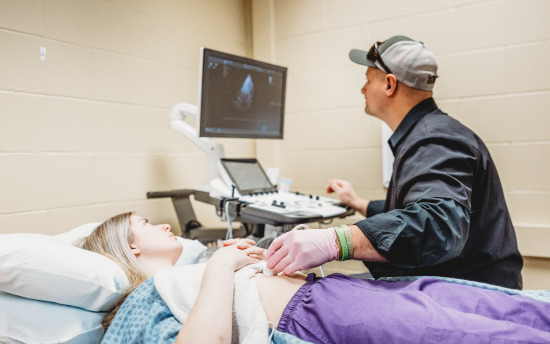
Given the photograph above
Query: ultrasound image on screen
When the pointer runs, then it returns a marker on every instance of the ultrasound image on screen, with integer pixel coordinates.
(241, 99)
(245, 96)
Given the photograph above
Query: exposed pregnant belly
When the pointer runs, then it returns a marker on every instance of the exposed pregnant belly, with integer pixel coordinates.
(276, 291)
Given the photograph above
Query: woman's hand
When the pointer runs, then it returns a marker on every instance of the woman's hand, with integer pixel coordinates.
(242, 243)
(237, 255)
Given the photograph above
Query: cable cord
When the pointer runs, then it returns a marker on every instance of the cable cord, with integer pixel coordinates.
(248, 229)
(229, 234)
(264, 242)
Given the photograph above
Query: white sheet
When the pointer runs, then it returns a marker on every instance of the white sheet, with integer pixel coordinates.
(180, 286)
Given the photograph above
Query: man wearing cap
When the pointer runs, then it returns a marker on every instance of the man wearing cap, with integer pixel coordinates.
(444, 213)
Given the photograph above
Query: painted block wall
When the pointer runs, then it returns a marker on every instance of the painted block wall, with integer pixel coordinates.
(84, 133)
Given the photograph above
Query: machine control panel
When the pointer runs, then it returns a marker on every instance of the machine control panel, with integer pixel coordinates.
(287, 202)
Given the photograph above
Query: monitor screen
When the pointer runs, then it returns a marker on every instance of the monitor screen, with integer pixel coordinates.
(247, 175)
(240, 97)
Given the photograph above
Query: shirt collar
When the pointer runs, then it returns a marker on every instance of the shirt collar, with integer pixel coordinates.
(417, 112)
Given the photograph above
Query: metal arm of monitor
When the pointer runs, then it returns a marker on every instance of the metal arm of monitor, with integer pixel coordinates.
(213, 150)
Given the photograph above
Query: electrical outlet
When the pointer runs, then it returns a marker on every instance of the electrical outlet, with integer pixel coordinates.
(43, 52)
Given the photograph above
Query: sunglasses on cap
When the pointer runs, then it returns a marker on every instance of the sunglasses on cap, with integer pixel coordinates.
(374, 55)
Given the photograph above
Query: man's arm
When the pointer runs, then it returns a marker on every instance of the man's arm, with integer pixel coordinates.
(375, 207)
(422, 234)
(305, 249)
(363, 248)
(425, 233)
(439, 220)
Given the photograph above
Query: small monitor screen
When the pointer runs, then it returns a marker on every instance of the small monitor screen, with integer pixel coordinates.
(241, 97)
(247, 175)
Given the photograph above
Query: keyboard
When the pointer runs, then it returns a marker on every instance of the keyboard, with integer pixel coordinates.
(281, 202)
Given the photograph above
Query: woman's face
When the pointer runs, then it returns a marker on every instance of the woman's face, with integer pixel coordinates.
(153, 241)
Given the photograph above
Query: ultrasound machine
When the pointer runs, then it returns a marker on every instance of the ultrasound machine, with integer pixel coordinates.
(240, 98)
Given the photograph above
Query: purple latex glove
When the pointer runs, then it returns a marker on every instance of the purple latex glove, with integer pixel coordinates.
(301, 250)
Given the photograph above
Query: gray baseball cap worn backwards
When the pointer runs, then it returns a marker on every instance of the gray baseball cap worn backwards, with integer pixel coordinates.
(410, 61)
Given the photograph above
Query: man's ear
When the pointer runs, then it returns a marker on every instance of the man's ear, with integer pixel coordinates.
(391, 84)
(135, 250)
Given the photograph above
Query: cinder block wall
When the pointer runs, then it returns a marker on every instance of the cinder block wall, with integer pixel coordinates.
(84, 133)
(494, 77)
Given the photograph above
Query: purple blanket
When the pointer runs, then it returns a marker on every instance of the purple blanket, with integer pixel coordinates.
(341, 309)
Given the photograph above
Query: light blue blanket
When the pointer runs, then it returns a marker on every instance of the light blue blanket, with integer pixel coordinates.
(145, 318)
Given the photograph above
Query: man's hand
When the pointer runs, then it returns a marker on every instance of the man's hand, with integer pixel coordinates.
(301, 250)
(347, 195)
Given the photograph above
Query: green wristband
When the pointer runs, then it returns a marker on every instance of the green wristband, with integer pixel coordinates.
(343, 244)
(347, 235)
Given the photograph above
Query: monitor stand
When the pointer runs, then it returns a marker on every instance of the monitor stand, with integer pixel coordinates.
(213, 150)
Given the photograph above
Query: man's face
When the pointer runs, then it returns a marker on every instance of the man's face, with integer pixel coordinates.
(374, 91)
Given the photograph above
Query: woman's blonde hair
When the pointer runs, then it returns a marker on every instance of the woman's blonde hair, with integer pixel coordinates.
(112, 239)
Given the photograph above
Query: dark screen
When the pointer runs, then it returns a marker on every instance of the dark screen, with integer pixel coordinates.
(241, 97)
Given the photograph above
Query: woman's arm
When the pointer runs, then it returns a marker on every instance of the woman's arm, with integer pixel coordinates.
(210, 318)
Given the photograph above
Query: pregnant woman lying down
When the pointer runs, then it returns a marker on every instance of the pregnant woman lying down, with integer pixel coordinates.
(230, 300)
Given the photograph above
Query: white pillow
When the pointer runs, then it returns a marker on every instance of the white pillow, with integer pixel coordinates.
(81, 231)
(31, 321)
(193, 251)
(49, 268)
(42, 267)
(45, 268)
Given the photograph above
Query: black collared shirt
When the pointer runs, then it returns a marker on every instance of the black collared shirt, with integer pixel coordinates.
(445, 213)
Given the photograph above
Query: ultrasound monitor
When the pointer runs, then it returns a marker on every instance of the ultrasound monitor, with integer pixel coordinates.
(247, 175)
(240, 97)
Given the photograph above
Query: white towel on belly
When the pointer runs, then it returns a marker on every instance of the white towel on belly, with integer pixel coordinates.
(180, 286)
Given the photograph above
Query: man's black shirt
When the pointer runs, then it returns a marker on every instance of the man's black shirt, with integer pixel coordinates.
(445, 213)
